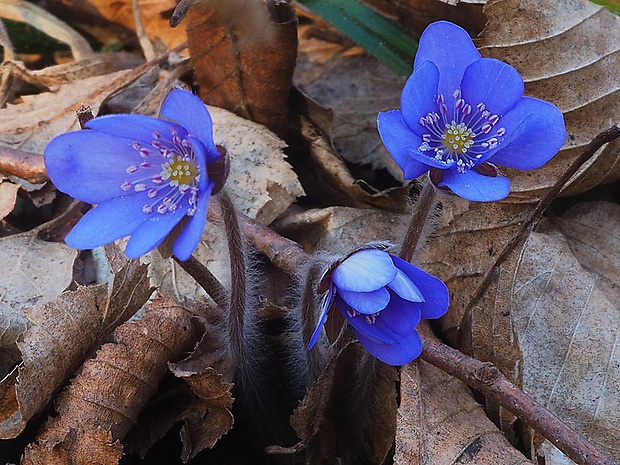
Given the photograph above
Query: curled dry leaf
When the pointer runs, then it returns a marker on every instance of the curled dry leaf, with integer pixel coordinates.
(569, 54)
(77, 322)
(39, 271)
(8, 194)
(350, 412)
(247, 74)
(104, 400)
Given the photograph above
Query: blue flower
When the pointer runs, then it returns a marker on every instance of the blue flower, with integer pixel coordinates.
(460, 111)
(145, 174)
(383, 298)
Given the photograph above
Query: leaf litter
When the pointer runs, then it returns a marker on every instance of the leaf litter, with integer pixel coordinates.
(566, 267)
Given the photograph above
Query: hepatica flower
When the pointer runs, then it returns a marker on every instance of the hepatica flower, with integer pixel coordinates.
(383, 298)
(462, 114)
(145, 174)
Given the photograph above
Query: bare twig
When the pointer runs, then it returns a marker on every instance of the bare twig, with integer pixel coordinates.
(145, 42)
(25, 165)
(487, 379)
(483, 376)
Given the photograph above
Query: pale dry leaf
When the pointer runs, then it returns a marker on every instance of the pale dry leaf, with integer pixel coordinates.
(61, 334)
(114, 386)
(35, 272)
(30, 125)
(261, 183)
(568, 53)
(568, 331)
(8, 194)
(37, 17)
(432, 430)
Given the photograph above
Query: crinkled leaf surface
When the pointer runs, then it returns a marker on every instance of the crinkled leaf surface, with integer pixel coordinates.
(39, 271)
(61, 334)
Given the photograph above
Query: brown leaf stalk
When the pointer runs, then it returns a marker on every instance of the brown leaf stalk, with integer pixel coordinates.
(24, 165)
(482, 376)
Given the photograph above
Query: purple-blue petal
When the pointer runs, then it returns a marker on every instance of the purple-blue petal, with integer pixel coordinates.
(189, 238)
(436, 295)
(201, 158)
(540, 134)
(398, 139)
(108, 222)
(364, 271)
(322, 318)
(451, 49)
(492, 82)
(190, 112)
(474, 186)
(90, 166)
(138, 128)
(366, 302)
(408, 348)
(419, 96)
(153, 231)
(405, 288)
(428, 159)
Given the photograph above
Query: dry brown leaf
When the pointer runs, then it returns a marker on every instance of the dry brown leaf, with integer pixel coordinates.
(8, 194)
(32, 124)
(39, 271)
(569, 54)
(249, 77)
(350, 412)
(61, 334)
(356, 87)
(440, 423)
(155, 16)
(112, 388)
(37, 17)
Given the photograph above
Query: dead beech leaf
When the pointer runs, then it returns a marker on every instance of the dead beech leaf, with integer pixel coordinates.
(350, 412)
(262, 184)
(202, 398)
(32, 124)
(251, 78)
(8, 194)
(113, 387)
(440, 423)
(77, 322)
(568, 53)
(39, 271)
(356, 87)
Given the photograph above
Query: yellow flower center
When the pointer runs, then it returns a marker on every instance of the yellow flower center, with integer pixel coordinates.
(457, 138)
(179, 171)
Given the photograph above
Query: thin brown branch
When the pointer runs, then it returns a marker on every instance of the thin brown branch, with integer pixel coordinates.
(24, 165)
(487, 379)
(482, 376)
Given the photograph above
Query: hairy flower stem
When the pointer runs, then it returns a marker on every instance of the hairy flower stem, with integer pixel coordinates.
(419, 220)
(317, 355)
(205, 279)
(484, 376)
(237, 301)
